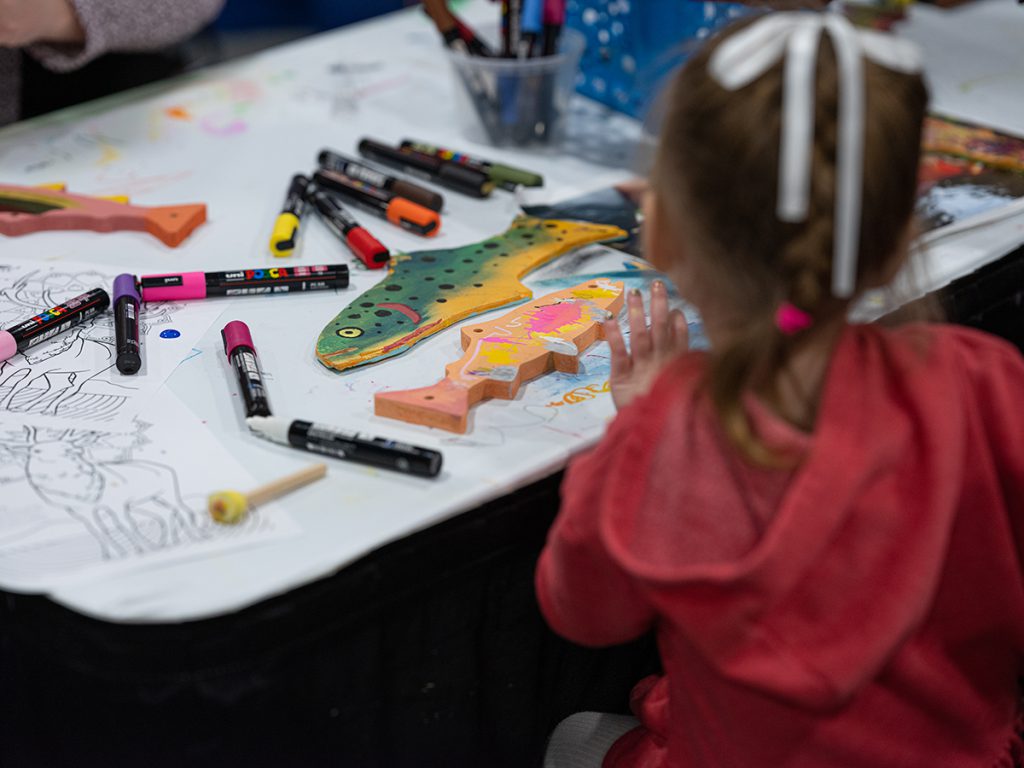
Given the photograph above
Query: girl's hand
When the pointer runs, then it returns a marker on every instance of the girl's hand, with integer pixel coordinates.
(650, 349)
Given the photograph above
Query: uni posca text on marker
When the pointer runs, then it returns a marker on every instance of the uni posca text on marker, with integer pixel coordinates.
(52, 322)
(177, 286)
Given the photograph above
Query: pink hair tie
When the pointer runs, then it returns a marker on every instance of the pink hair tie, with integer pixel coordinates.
(791, 320)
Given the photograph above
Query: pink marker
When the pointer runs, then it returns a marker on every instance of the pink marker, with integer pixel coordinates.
(178, 286)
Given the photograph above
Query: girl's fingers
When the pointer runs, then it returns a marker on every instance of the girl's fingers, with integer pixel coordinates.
(680, 331)
(639, 338)
(621, 364)
(660, 330)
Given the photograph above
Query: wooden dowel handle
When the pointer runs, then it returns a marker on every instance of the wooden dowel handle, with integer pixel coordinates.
(271, 491)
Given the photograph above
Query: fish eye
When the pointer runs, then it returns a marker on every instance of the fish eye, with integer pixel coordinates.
(350, 333)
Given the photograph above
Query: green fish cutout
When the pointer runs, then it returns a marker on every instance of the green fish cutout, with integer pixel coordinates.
(427, 291)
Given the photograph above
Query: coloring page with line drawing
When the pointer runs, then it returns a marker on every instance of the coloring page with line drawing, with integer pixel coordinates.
(78, 504)
(71, 380)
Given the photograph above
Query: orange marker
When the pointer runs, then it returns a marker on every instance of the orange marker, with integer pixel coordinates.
(398, 210)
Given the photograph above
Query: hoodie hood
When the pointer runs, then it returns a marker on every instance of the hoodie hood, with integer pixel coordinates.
(848, 564)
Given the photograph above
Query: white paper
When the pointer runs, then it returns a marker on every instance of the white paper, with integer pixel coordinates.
(79, 504)
(71, 381)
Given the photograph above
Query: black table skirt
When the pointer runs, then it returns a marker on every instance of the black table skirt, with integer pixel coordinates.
(428, 652)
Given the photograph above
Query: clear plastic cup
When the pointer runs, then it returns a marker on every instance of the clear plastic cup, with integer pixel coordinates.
(519, 102)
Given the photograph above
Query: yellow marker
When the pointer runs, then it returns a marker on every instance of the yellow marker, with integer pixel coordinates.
(230, 507)
(286, 229)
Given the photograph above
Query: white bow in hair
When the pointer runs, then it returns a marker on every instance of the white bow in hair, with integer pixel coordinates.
(747, 55)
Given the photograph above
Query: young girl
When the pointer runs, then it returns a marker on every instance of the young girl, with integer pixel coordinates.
(822, 522)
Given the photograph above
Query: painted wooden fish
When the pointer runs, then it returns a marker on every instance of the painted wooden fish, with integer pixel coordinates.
(24, 210)
(427, 291)
(531, 340)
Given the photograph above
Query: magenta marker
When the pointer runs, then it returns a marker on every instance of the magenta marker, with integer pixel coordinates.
(243, 282)
(241, 352)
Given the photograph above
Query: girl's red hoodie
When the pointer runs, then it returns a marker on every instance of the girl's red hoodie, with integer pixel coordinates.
(865, 609)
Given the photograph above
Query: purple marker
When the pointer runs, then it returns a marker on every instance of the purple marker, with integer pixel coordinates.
(241, 352)
(126, 325)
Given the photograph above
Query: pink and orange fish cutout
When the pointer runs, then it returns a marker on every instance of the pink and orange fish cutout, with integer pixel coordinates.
(24, 210)
(535, 338)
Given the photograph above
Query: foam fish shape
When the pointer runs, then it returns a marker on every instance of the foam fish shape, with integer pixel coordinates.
(537, 337)
(427, 291)
(24, 210)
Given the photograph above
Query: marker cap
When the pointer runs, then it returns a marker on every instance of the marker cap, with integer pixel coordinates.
(286, 230)
(8, 346)
(236, 334)
(124, 285)
(416, 218)
(367, 248)
(174, 286)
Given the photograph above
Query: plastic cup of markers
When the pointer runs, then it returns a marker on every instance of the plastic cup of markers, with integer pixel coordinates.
(519, 102)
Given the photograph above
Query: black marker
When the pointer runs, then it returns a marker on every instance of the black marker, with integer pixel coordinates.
(468, 181)
(239, 348)
(52, 321)
(365, 246)
(126, 325)
(376, 451)
(332, 161)
(403, 213)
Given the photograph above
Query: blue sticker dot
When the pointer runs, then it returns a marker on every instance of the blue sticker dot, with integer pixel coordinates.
(170, 333)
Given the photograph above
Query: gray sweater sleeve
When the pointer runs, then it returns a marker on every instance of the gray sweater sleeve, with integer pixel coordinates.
(127, 25)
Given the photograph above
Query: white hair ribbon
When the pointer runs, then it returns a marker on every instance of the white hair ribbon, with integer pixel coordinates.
(748, 54)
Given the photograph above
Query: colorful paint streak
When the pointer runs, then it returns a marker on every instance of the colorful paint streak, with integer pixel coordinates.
(973, 142)
(542, 335)
(581, 394)
(427, 291)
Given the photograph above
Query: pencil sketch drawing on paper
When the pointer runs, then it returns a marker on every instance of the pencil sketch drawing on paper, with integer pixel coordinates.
(54, 480)
(68, 375)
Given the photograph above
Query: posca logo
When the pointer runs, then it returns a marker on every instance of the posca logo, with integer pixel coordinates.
(48, 315)
(266, 274)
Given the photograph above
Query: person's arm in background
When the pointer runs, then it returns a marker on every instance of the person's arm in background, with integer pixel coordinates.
(64, 35)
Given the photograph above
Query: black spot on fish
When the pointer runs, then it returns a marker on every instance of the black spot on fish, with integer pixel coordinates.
(503, 254)
(414, 298)
(366, 304)
(429, 279)
(446, 286)
(490, 245)
(528, 235)
(450, 271)
(429, 259)
(440, 301)
(382, 313)
(478, 285)
(467, 261)
(354, 317)
(378, 325)
(392, 287)
(551, 225)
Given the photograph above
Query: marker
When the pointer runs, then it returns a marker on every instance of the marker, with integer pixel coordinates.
(286, 229)
(241, 354)
(468, 181)
(51, 322)
(126, 325)
(505, 175)
(177, 286)
(364, 245)
(399, 211)
(531, 24)
(352, 446)
(554, 20)
(332, 161)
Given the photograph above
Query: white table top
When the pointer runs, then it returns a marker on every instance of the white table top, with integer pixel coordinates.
(257, 121)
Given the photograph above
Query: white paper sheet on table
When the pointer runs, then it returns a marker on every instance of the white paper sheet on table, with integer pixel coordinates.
(81, 504)
(71, 380)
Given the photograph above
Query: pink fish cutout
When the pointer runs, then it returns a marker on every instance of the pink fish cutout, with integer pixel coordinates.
(542, 335)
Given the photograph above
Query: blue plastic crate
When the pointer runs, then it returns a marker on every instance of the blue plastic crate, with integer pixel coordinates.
(633, 45)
